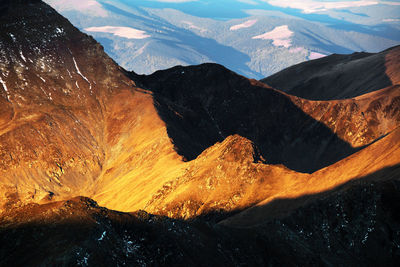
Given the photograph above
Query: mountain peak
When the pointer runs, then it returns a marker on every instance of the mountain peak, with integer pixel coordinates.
(234, 148)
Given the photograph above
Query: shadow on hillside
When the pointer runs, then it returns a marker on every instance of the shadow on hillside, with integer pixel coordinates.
(381, 180)
(355, 223)
(325, 228)
(203, 104)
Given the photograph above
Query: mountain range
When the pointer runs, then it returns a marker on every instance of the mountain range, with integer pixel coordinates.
(195, 165)
(255, 39)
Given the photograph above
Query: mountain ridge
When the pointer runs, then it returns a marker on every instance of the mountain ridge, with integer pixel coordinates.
(348, 76)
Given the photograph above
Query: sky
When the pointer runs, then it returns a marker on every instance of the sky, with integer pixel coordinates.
(325, 11)
(228, 9)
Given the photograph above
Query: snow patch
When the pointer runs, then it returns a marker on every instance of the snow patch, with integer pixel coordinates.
(59, 32)
(42, 79)
(79, 72)
(90, 7)
(311, 6)
(41, 63)
(22, 56)
(44, 92)
(246, 24)
(85, 260)
(102, 236)
(315, 55)
(13, 37)
(125, 32)
(280, 36)
(192, 26)
(3, 83)
(297, 50)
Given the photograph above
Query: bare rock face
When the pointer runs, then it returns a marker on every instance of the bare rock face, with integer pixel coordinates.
(235, 171)
(54, 85)
(361, 120)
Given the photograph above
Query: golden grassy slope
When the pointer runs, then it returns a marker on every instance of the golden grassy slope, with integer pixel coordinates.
(139, 168)
(382, 155)
(146, 173)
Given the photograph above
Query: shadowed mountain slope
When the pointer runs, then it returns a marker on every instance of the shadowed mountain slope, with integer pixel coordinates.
(224, 178)
(330, 228)
(340, 76)
(204, 104)
(382, 155)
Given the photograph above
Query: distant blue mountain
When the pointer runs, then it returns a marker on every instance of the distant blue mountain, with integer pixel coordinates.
(253, 38)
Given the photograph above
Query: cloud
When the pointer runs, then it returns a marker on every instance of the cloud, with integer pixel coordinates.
(250, 2)
(125, 32)
(245, 24)
(173, 1)
(90, 7)
(391, 20)
(280, 36)
(390, 3)
(311, 6)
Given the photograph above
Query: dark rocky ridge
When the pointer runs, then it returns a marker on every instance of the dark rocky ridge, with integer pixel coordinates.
(204, 104)
(339, 76)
